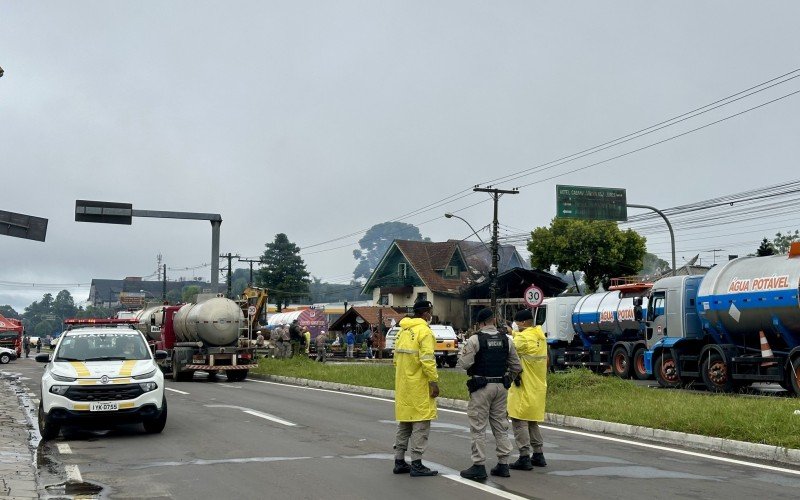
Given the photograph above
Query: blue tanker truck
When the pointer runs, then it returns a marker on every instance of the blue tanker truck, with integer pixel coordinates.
(737, 324)
(601, 331)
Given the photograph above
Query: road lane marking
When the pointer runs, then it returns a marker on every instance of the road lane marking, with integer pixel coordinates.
(483, 487)
(579, 433)
(64, 448)
(73, 473)
(176, 390)
(271, 417)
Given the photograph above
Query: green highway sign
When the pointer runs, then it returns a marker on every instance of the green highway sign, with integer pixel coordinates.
(595, 203)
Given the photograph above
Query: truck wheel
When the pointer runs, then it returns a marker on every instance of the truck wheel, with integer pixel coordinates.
(452, 362)
(236, 375)
(181, 376)
(552, 358)
(621, 363)
(637, 365)
(716, 375)
(666, 370)
(793, 384)
(47, 429)
(157, 425)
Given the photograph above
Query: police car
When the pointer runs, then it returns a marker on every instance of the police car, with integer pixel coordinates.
(7, 355)
(101, 372)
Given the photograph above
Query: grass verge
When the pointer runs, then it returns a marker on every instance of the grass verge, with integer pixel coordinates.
(581, 393)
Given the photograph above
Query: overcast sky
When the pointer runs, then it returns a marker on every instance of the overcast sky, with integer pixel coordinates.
(321, 118)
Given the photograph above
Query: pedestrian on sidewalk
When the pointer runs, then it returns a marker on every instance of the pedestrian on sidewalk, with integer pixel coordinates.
(491, 362)
(416, 385)
(350, 338)
(321, 344)
(26, 345)
(526, 398)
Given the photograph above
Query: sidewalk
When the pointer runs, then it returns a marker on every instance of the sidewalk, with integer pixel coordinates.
(17, 470)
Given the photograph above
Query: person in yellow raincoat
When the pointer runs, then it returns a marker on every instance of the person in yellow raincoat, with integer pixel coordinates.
(526, 400)
(416, 386)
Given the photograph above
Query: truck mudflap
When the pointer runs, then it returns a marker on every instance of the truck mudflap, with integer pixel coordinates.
(663, 343)
(220, 367)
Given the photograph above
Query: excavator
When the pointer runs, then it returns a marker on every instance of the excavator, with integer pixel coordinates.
(253, 302)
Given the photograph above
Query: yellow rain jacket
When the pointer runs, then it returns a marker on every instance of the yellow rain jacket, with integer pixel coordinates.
(526, 402)
(415, 366)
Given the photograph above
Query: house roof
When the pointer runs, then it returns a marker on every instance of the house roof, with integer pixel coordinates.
(479, 257)
(514, 282)
(369, 314)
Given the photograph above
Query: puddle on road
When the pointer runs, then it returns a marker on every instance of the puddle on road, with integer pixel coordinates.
(633, 472)
(84, 490)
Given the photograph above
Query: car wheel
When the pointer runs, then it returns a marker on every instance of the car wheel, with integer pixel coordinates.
(157, 425)
(4, 358)
(47, 429)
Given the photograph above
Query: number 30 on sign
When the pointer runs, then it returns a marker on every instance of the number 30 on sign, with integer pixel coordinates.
(534, 296)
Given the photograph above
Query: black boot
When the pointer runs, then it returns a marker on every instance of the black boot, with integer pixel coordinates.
(522, 463)
(538, 460)
(476, 472)
(500, 470)
(401, 467)
(419, 470)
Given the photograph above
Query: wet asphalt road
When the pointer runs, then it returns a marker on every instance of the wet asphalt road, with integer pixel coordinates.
(265, 440)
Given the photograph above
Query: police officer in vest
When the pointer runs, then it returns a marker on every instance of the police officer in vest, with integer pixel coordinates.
(492, 363)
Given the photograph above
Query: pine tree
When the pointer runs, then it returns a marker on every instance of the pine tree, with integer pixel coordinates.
(766, 248)
(284, 272)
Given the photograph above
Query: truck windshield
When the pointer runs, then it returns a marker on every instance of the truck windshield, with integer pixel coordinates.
(102, 347)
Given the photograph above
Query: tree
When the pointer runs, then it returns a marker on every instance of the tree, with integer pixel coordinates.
(94, 312)
(598, 248)
(189, 293)
(173, 296)
(9, 312)
(283, 272)
(377, 240)
(64, 306)
(782, 242)
(766, 248)
(652, 264)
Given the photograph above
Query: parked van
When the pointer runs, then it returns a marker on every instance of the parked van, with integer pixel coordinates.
(446, 350)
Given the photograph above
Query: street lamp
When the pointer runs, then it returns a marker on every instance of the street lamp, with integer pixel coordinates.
(450, 216)
(493, 272)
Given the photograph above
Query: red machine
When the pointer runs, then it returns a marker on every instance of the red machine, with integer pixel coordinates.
(11, 334)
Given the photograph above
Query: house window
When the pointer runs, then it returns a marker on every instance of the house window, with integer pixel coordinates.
(384, 300)
(451, 272)
(401, 269)
(422, 296)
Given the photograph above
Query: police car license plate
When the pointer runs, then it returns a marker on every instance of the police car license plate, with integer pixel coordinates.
(439, 353)
(113, 406)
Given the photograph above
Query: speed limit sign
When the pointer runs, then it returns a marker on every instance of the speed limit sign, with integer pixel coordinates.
(251, 311)
(534, 296)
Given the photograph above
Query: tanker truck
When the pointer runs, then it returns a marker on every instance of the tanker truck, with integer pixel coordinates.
(597, 331)
(737, 324)
(199, 337)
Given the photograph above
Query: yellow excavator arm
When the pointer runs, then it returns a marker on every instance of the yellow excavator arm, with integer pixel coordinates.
(256, 297)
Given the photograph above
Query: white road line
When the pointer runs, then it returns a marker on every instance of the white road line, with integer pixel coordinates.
(64, 448)
(483, 487)
(176, 390)
(271, 417)
(230, 386)
(73, 473)
(579, 433)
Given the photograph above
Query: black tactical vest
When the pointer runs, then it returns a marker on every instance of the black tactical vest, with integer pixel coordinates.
(492, 356)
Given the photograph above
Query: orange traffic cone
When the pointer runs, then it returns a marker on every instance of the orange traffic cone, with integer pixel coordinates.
(766, 351)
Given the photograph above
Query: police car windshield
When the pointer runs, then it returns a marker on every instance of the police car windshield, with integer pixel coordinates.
(95, 346)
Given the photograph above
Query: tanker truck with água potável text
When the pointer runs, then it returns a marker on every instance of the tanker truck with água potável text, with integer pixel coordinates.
(737, 324)
(202, 336)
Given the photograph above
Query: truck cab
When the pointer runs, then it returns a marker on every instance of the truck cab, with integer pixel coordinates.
(672, 322)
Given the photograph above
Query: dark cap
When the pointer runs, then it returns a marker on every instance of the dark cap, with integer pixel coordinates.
(422, 305)
(523, 315)
(484, 315)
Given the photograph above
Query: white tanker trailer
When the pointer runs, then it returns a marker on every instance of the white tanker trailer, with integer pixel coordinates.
(200, 337)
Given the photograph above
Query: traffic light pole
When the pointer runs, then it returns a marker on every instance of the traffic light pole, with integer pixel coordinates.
(495, 193)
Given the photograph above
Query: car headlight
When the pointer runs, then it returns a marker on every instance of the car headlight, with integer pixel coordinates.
(62, 378)
(59, 389)
(143, 376)
(148, 386)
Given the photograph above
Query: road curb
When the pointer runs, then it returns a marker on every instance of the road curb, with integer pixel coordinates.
(18, 478)
(658, 436)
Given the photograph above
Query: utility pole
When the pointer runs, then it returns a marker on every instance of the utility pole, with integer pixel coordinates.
(715, 250)
(230, 257)
(251, 266)
(495, 193)
(164, 284)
